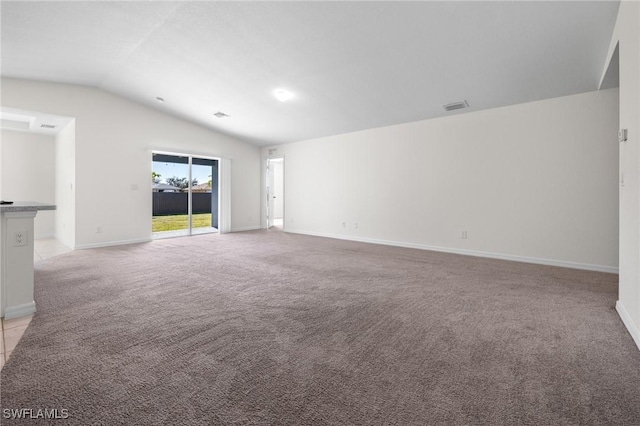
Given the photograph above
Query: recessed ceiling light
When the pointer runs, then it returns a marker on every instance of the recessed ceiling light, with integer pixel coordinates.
(282, 95)
(159, 99)
(221, 114)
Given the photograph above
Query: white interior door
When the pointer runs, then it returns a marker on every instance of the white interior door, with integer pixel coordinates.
(270, 193)
(278, 192)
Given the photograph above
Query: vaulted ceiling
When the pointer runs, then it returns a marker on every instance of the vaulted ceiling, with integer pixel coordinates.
(350, 65)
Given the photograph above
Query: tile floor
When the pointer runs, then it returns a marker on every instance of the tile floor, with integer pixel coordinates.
(11, 330)
(49, 247)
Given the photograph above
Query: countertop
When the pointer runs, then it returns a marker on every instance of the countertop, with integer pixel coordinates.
(26, 206)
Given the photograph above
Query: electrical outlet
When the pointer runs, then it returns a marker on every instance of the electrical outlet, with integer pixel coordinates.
(20, 238)
(355, 225)
(463, 234)
(99, 229)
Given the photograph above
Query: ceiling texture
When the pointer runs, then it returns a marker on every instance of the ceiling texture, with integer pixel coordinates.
(351, 65)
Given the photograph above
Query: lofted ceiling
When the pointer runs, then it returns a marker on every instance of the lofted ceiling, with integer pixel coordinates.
(351, 65)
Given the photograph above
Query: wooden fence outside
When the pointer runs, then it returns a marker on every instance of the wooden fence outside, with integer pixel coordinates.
(168, 203)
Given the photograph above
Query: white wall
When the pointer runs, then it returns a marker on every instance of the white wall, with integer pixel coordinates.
(27, 169)
(627, 33)
(536, 181)
(114, 138)
(65, 200)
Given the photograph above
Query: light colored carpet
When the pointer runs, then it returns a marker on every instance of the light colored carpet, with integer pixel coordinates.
(272, 328)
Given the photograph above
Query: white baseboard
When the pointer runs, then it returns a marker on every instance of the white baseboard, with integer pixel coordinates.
(19, 310)
(112, 243)
(502, 256)
(246, 228)
(626, 319)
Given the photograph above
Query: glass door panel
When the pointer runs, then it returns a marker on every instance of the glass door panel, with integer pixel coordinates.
(170, 175)
(204, 195)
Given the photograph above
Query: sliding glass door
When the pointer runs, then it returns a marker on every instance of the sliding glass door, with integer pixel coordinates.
(204, 196)
(185, 195)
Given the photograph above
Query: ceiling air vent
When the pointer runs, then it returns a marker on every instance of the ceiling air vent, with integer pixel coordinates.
(48, 126)
(455, 105)
(221, 114)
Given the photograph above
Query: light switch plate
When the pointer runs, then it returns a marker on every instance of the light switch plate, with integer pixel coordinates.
(622, 135)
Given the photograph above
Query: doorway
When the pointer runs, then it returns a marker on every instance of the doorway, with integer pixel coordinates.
(185, 195)
(275, 193)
